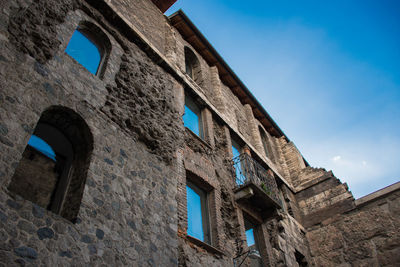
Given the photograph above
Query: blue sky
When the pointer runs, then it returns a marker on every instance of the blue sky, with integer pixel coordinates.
(84, 51)
(328, 72)
(40, 145)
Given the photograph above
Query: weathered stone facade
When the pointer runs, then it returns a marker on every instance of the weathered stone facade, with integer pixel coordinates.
(122, 201)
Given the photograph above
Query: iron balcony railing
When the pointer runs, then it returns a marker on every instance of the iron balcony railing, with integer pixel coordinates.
(247, 170)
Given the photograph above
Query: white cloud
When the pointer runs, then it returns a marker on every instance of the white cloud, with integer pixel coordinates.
(336, 158)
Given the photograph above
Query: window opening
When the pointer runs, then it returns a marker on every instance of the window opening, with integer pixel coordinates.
(300, 259)
(250, 237)
(90, 47)
(41, 146)
(252, 243)
(192, 117)
(197, 213)
(53, 167)
(249, 227)
(238, 168)
(192, 66)
(84, 50)
(189, 68)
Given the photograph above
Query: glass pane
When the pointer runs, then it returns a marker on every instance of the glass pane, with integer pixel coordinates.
(238, 168)
(235, 151)
(191, 120)
(195, 221)
(250, 237)
(84, 51)
(41, 146)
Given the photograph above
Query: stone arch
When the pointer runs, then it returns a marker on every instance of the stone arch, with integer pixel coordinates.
(56, 184)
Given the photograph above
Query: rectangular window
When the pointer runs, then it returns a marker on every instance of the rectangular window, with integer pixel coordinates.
(192, 117)
(235, 149)
(197, 213)
(252, 241)
(250, 237)
(249, 227)
(238, 169)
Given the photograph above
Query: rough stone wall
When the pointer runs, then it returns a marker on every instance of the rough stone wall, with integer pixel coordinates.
(341, 233)
(288, 236)
(290, 204)
(255, 138)
(235, 113)
(366, 236)
(146, 17)
(322, 197)
(128, 210)
(216, 83)
(280, 159)
(293, 159)
(308, 176)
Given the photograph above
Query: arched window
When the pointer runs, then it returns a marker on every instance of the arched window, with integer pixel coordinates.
(264, 140)
(90, 46)
(53, 168)
(192, 66)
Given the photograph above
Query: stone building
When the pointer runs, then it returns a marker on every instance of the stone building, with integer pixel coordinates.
(136, 148)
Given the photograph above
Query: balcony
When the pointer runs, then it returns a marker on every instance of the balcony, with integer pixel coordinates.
(254, 185)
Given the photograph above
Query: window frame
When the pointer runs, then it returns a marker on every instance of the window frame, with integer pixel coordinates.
(99, 39)
(238, 168)
(198, 111)
(191, 64)
(238, 147)
(251, 226)
(250, 221)
(205, 216)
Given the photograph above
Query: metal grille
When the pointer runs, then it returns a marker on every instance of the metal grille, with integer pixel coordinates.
(247, 170)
